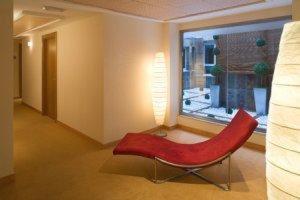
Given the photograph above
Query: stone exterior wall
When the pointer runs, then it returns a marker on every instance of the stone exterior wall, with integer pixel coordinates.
(194, 64)
(239, 54)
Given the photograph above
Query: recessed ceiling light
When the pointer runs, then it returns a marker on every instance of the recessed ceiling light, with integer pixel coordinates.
(53, 9)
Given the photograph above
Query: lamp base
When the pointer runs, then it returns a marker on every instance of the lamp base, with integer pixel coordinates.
(161, 133)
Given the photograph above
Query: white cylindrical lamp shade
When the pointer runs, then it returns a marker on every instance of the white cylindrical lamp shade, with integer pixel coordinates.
(159, 88)
(283, 132)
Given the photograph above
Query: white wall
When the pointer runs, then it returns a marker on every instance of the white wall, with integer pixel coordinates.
(79, 74)
(171, 46)
(128, 51)
(103, 74)
(32, 71)
(6, 88)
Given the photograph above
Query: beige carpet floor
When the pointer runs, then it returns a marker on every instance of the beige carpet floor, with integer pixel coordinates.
(52, 162)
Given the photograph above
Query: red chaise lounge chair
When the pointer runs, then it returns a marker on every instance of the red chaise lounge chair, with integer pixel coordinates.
(191, 157)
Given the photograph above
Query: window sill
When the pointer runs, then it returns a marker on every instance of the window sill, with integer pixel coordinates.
(194, 122)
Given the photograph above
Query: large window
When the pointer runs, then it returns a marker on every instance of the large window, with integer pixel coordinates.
(228, 68)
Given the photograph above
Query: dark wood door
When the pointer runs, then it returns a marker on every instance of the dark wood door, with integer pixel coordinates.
(20, 68)
(50, 76)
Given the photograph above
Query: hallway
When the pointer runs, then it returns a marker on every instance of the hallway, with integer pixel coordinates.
(53, 162)
(48, 157)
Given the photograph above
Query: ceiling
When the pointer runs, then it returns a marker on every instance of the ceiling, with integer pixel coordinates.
(177, 11)
(29, 15)
(31, 20)
(164, 9)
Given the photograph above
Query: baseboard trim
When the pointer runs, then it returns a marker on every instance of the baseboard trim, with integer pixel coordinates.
(254, 146)
(249, 145)
(111, 144)
(66, 126)
(196, 131)
(29, 106)
(79, 133)
(149, 131)
(169, 128)
(7, 179)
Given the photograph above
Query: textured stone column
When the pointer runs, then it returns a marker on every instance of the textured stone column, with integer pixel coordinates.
(199, 63)
(283, 133)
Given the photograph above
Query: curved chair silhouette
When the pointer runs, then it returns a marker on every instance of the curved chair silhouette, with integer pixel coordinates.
(191, 157)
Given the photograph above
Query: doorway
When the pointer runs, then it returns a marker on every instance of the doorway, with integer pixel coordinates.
(49, 88)
(20, 68)
(17, 68)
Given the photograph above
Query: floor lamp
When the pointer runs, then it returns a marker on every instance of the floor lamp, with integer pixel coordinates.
(283, 132)
(159, 90)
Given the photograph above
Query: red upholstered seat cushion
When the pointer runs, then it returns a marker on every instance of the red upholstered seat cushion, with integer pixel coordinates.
(227, 141)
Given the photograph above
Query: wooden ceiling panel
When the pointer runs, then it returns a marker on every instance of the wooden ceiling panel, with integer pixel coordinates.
(165, 9)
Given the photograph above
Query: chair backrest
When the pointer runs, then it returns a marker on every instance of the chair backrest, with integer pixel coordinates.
(237, 132)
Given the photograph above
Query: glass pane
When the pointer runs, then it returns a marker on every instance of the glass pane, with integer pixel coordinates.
(225, 69)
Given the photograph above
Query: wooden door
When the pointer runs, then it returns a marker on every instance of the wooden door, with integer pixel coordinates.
(50, 75)
(20, 68)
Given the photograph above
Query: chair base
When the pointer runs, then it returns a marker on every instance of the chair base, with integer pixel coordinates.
(195, 171)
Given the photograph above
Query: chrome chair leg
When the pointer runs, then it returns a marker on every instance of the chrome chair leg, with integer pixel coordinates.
(229, 173)
(228, 184)
(155, 180)
(195, 171)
